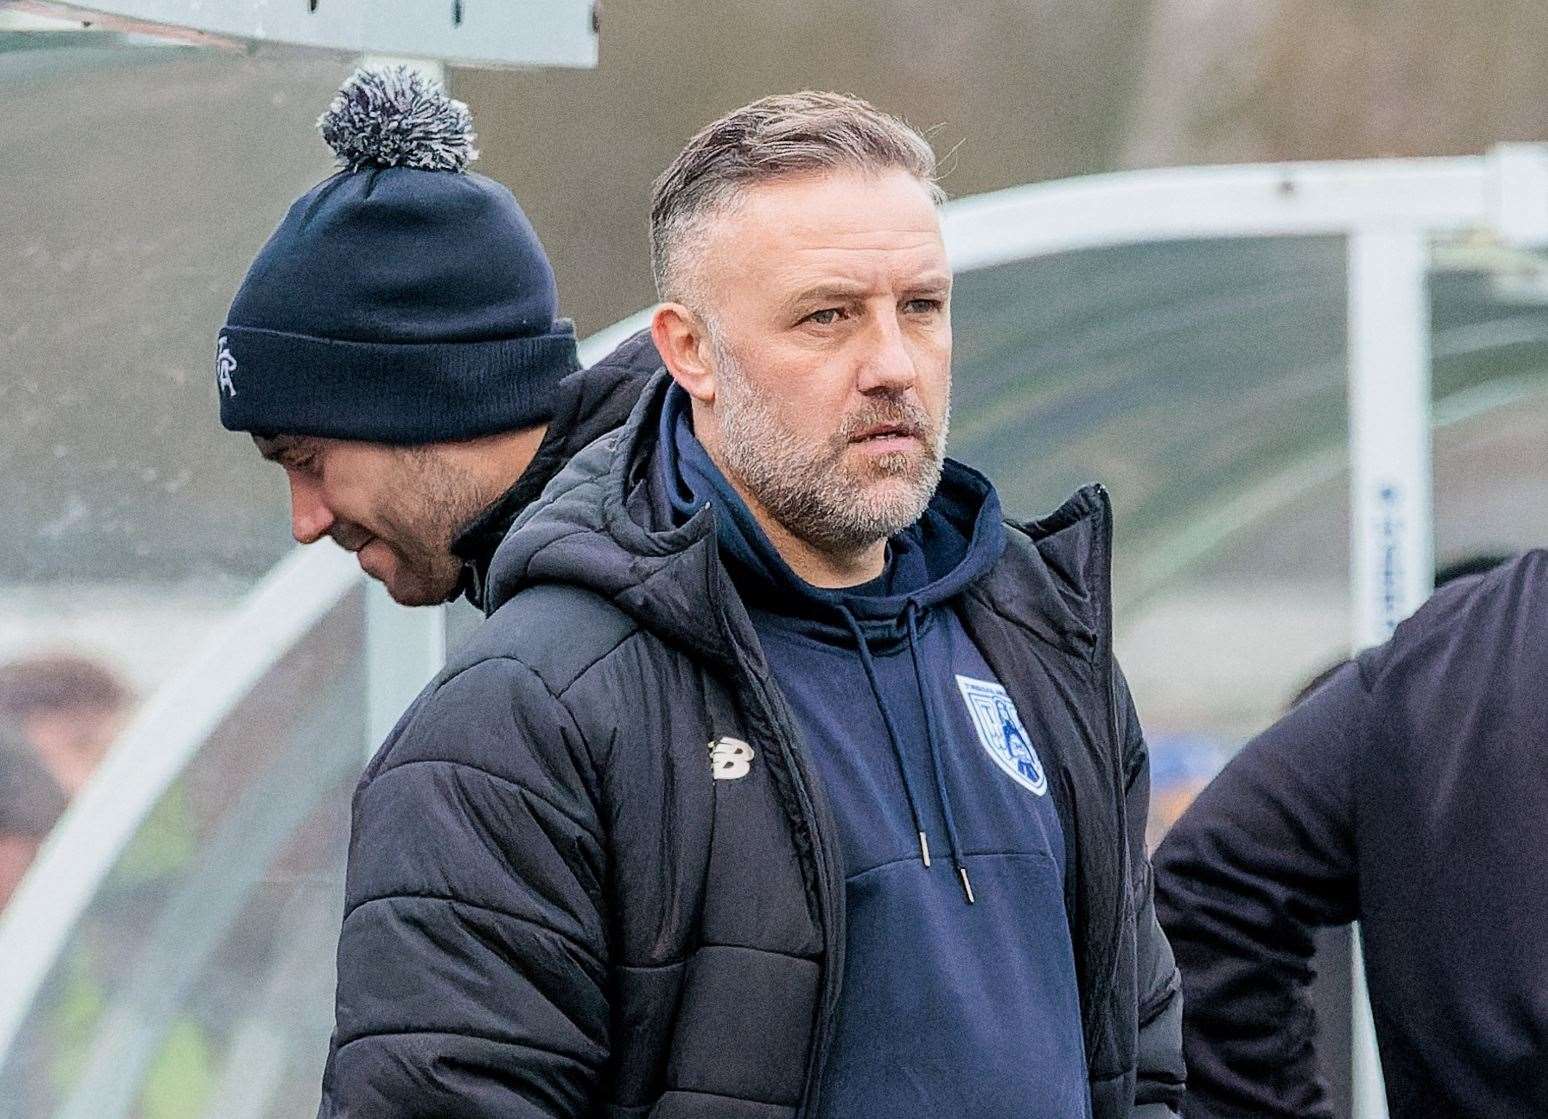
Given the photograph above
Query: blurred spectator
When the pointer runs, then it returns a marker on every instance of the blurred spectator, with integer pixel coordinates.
(31, 800)
(68, 707)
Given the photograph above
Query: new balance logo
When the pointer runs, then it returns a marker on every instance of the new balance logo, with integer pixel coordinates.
(225, 366)
(730, 758)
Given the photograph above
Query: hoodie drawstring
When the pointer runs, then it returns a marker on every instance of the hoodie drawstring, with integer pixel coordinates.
(932, 733)
(892, 731)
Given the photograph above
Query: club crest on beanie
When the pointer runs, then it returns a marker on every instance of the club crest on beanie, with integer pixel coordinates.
(404, 299)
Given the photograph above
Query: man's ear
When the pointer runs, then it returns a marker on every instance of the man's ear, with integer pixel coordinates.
(682, 339)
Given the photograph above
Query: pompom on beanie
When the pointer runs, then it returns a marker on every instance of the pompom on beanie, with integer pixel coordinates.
(403, 300)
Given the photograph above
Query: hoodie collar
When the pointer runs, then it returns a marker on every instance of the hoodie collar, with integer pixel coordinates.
(958, 539)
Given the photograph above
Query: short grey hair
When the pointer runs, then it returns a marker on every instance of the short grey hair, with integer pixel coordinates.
(772, 138)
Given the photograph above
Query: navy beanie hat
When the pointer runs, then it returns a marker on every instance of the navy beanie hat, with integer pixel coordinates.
(404, 300)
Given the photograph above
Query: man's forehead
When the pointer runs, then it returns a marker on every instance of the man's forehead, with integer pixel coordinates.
(844, 207)
(874, 231)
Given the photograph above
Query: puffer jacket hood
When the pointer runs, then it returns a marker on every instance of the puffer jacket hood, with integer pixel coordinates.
(612, 528)
(588, 404)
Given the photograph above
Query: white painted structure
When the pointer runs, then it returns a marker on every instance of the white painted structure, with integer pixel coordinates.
(148, 758)
(1389, 210)
(483, 33)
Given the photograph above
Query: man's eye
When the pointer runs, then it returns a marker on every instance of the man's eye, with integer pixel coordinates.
(922, 306)
(825, 317)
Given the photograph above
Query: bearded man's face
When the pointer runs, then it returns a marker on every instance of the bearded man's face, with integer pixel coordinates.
(396, 508)
(830, 328)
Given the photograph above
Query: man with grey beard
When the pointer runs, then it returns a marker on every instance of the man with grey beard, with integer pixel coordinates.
(785, 778)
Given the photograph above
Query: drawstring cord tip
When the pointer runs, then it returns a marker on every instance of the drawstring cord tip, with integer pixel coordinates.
(924, 849)
(967, 887)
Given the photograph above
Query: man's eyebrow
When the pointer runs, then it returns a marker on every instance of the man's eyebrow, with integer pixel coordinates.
(933, 282)
(827, 289)
(274, 449)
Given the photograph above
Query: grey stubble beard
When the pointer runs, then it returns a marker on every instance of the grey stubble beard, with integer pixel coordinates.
(807, 487)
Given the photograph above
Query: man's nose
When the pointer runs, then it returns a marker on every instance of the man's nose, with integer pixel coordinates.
(310, 517)
(888, 364)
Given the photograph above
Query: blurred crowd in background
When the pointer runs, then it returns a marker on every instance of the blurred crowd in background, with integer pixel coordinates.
(59, 713)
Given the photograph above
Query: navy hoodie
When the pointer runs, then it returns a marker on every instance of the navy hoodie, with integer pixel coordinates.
(959, 993)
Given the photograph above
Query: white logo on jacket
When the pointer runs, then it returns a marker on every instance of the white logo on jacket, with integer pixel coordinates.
(730, 758)
(1000, 731)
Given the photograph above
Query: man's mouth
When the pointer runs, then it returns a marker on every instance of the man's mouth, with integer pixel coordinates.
(877, 433)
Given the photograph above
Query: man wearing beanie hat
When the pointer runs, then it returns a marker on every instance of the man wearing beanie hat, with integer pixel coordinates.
(395, 347)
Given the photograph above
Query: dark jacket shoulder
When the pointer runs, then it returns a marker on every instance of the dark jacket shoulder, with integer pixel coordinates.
(1490, 617)
(1051, 580)
(1371, 800)
(591, 403)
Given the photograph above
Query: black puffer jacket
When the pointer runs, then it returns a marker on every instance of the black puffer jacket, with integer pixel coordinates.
(591, 403)
(1409, 792)
(554, 910)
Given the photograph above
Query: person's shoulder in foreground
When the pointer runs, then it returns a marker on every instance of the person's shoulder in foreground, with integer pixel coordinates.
(1401, 793)
(659, 839)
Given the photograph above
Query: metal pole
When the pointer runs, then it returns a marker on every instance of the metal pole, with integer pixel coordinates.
(1392, 500)
(404, 649)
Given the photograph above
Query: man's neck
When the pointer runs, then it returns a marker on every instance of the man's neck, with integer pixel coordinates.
(510, 453)
(495, 464)
(814, 565)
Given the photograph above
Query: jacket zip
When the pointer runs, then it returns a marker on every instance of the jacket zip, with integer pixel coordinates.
(830, 901)
(829, 898)
(1102, 984)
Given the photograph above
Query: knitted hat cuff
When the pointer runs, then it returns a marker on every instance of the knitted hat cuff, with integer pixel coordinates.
(276, 383)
